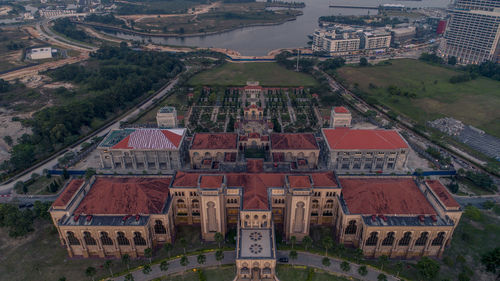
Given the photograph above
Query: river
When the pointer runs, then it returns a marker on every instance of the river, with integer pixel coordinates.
(259, 40)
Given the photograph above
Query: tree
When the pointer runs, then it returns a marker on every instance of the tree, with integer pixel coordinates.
(184, 262)
(164, 266)
(491, 260)
(146, 269)
(363, 61)
(129, 277)
(126, 261)
(345, 266)
(8, 140)
(219, 256)
(293, 239)
(307, 241)
(398, 267)
(341, 249)
(201, 259)
(428, 268)
(362, 270)
(358, 255)
(452, 60)
(383, 259)
(293, 255)
(326, 261)
(327, 242)
(219, 238)
(90, 272)
(183, 242)
(89, 173)
(108, 265)
(65, 174)
(382, 277)
(148, 253)
(168, 248)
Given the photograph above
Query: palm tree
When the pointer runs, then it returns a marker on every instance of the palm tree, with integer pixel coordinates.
(108, 265)
(218, 238)
(307, 241)
(129, 277)
(168, 248)
(184, 262)
(293, 255)
(358, 255)
(183, 243)
(164, 266)
(326, 261)
(90, 272)
(126, 261)
(293, 239)
(327, 242)
(345, 266)
(398, 267)
(341, 249)
(146, 269)
(362, 270)
(219, 256)
(383, 260)
(382, 277)
(201, 259)
(148, 253)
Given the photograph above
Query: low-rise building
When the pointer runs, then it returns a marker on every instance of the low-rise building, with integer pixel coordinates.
(365, 150)
(403, 35)
(166, 117)
(209, 149)
(340, 117)
(335, 41)
(40, 53)
(300, 149)
(376, 39)
(142, 149)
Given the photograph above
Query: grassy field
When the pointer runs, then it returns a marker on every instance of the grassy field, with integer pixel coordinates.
(237, 74)
(300, 273)
(17, 40)
(474, 102)
(223, 273)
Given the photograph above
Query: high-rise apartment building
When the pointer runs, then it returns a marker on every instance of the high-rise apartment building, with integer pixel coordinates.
(473, 31)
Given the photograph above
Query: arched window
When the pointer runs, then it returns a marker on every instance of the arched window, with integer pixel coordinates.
(372, 240)
(122, 240)
(139, 240)
(72, 240)
(105, 239)
(87, 237)
(405, 241)
(159, 228)
(389, 240)
(422, 239)
(438, 240)
(351, 228)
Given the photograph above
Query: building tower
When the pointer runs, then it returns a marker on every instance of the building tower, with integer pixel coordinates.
(473, 31)
(166, 117)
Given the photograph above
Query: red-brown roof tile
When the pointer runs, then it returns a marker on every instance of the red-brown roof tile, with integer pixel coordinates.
(345, 138)
(211, 181)
(299, 181)
(384, 196)
(215, 141)
(340, 109)
(70, 190)
(443, 194)
(293, 141)
(152, 139)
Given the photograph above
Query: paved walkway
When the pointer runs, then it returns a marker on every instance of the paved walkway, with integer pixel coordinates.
(303, 258)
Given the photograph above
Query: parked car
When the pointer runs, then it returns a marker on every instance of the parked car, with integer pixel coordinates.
(283, 260)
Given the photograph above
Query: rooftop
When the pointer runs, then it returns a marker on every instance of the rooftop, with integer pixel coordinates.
(299, 181)
(125, 195)
(211, 181)
(345, 138)
(341, 109)
(144, 139)
(167, 109)
(294, 141)
(215, 141)
(385, 196)
(256, 243)
(70, 190)
(442, 193)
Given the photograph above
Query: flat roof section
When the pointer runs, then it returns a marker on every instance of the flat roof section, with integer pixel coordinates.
(443, 194)
(384, 196)
(345, 138)
(293, 141)
(125, 196)
(256, 243)
(70, 190)
(215, 141)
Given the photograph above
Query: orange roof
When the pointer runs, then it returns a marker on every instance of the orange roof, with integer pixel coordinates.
(299, 181)
(211, 181)
(125, 196)
(253, 135)
(152, 139)
(253, 88)
(345, 138)
(215, 141)
(443, 194)
(294, 141)
(255, 165)
(63, 199)
(384, 196)
(324, 180)
(340, 109)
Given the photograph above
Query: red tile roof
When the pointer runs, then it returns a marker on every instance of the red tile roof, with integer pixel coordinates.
(252, 88)
(340, 109)
(293, 141)
(253, 135)
(384, 196)
(442, 193)
(345, 138)
(264, 138)
(68, 193)
(125, 196)
(324, 180)
(255, 165)
(215, 141)
(152, 139)
(211, 181)
(299, 181)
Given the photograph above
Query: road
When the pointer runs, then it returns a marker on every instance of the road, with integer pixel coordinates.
(129, 115)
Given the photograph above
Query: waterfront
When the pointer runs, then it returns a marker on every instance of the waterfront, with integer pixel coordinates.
(259, 40)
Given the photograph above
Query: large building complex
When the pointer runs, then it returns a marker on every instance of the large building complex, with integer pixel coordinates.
(302, 149)
(473, 31)
(333, 41)
(376, 39)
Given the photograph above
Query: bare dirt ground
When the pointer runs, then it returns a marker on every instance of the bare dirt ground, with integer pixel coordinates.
(14, 129)
(5, 10)
(201, 9)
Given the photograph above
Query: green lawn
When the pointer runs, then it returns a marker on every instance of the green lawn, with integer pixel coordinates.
(223, 273)
(474, 102)
(237, 74)
(301, 273)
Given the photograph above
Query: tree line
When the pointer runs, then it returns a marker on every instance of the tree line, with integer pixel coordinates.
(68, 28)
(118, 78)
(20, 222)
